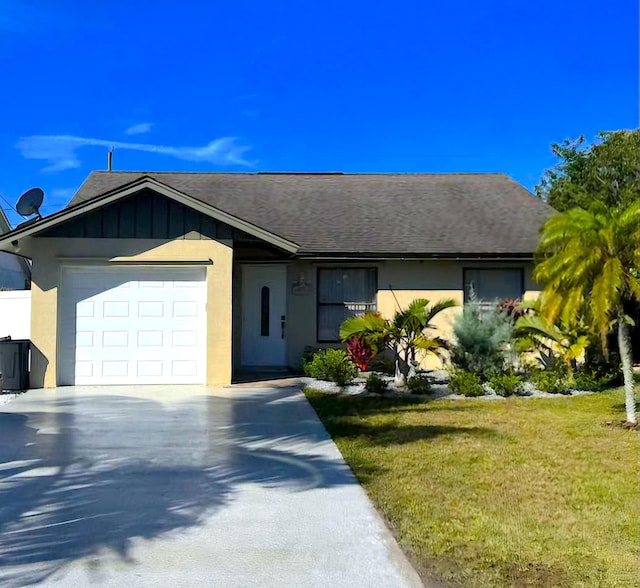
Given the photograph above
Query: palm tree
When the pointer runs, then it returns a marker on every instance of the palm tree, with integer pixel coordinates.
(590, 259)
(405, 334)
(569, 342)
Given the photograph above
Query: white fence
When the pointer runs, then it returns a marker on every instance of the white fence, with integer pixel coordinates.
(15, 314)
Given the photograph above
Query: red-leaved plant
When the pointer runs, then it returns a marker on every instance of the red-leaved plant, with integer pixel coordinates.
(360, 352)
(513, 308)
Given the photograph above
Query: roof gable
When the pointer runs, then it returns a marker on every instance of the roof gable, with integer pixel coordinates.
(140, 184)
(142, 215)
(416, 215)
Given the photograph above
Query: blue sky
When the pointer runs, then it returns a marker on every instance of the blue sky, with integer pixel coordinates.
(300, 86)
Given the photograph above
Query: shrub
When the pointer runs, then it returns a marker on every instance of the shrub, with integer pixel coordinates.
(507, 384)
(482, 340)
(552, 381)
(375, 384)
(383, 364)
(594, 382)
(333, 365)
(513, 308)
(360, 352)
(420, 384)
(606, 369)
(466, 383)
(308, 353)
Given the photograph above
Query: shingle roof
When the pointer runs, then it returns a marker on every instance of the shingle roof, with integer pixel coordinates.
(430, 214)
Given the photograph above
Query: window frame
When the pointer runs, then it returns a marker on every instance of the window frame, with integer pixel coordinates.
(494, 268)
(321, 304)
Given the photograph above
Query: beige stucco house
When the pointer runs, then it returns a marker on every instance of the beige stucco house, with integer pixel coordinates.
(191, 277)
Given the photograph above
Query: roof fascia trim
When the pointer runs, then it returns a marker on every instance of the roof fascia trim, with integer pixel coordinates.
(160, 188)
(416, 257)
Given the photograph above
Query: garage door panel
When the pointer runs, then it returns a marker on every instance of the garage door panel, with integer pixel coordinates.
(184, 339)
(185, 309)
(113, 368)
(116, 309)
(84, 339)
(115, 339)
(86, 308)
(84, 369)
(150, 339)
(125, 326)
(151, 309)
(150, 368)
(184, 368)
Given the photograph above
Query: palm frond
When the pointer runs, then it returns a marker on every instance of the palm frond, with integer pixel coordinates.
(586, 258)
(440, 306)
(371, 328)
(434, 346)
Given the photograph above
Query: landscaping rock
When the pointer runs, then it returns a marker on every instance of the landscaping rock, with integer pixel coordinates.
(440, 388)
(6, 397)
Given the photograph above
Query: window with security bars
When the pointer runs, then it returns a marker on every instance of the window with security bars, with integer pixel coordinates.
(343, 292)
(492, 285)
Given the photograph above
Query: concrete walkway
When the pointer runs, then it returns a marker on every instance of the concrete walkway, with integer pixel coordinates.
(183, 486)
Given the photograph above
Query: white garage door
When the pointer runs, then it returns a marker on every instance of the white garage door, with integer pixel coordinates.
(132, 326)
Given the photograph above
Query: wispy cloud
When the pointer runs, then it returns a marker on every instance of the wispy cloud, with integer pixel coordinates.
(60, 151)
(139, 129)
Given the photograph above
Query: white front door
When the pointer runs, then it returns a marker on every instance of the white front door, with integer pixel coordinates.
(264, 302)
(132, 326)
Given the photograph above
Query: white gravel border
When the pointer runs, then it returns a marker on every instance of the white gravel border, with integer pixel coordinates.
(6, 398)
(439, 389)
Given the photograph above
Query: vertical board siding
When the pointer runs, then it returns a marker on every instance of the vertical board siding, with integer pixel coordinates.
(110, 223)
(143, 216)
(208, 228)
(93, 225)
(144, 210)
(191, 224)
(160, 219)
(127, 219)
(176, 220)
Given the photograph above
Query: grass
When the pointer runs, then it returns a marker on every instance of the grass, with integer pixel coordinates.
(520, 492)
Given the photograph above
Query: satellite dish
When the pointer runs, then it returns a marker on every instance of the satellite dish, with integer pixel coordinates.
(30, 202)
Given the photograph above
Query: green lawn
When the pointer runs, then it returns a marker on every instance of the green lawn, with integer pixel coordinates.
(517, 492)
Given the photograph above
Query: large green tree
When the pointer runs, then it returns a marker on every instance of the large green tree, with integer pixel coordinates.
(588, 259)
(606, 171)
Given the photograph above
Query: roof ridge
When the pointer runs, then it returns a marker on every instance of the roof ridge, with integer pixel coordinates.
(304, 173)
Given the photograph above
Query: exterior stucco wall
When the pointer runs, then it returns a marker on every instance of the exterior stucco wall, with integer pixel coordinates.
(399, 282)
(51, 254)
(237, 316)
(301, 312)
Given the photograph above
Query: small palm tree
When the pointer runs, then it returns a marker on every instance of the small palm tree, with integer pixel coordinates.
(590, 258)
(552, 340)
(405, 334)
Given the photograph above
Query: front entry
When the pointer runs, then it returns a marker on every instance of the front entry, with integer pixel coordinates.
(264, 303)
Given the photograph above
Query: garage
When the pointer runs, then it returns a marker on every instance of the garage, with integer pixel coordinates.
(132, 325)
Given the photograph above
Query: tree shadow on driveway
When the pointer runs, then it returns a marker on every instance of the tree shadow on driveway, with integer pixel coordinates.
(80, 474)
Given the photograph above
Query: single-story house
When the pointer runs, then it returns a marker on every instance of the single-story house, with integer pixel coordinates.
(187, 277)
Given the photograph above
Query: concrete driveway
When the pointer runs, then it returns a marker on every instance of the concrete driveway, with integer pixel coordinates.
(183, 486)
